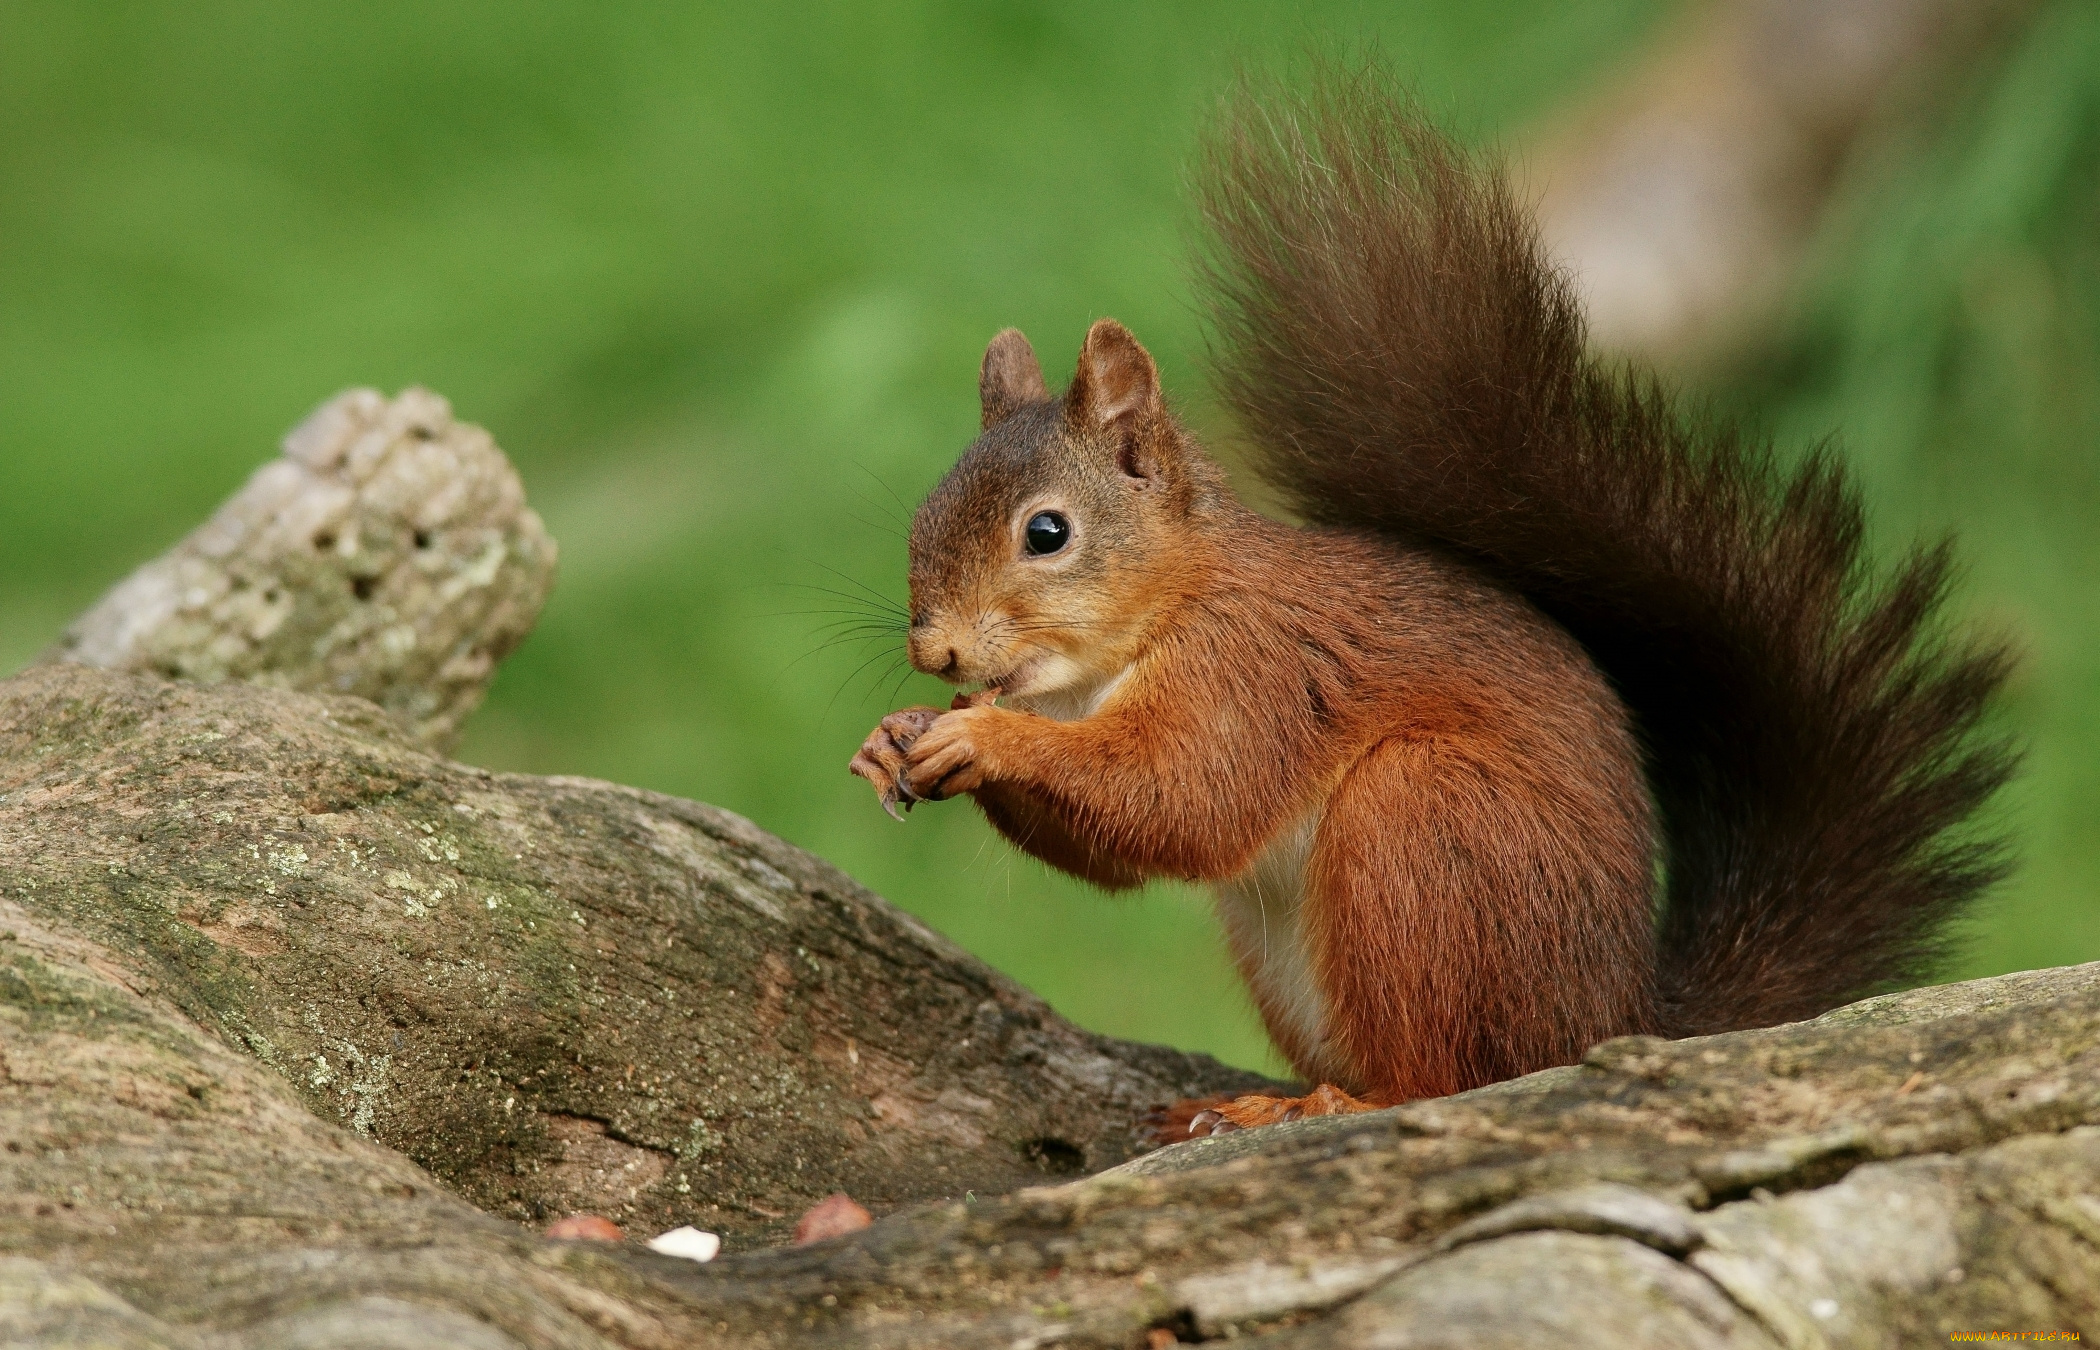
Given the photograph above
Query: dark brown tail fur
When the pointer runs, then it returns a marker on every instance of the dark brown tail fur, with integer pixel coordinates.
(1405, 360)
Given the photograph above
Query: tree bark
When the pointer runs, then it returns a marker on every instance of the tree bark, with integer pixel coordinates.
(304, 1033)
(388, 553)
(555, 994)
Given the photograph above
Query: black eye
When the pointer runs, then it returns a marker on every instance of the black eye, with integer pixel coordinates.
(1047, 532)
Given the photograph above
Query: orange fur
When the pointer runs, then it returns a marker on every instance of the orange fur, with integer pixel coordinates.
(1423, 751)
(1428, 716)
(1036, 830)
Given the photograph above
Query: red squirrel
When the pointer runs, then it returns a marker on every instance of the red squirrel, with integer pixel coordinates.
(1561, 717)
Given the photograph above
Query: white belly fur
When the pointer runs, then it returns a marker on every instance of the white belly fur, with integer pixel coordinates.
(1262, 910)
(1070, 702)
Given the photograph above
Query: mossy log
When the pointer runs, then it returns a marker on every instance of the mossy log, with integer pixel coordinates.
(305, 1033)
(555, 994)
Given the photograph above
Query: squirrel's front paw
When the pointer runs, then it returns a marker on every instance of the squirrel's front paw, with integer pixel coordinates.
(945, 759)
(881, 759)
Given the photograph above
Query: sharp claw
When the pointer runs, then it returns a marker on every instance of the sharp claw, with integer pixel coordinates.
(1223, 1127)
(1202, 1122)
(889, 804)
(1292, 1113)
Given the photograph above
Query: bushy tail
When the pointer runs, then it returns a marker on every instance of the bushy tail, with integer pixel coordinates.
(1406, 360)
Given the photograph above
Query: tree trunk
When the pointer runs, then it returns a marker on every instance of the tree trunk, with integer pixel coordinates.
(306, 1032)
(1678, 191)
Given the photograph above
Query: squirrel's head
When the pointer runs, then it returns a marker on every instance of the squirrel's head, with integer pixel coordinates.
(1039, 562)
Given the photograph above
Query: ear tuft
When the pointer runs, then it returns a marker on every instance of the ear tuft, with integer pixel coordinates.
(1116, 379)
(1010, 378)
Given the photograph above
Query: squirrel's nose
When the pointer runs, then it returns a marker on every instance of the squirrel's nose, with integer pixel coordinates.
(930, 654)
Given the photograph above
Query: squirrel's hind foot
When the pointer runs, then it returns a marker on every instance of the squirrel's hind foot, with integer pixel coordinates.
(1199, 1117)
(1170, 1124)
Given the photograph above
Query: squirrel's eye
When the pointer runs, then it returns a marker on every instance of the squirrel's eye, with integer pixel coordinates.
(1047, 532)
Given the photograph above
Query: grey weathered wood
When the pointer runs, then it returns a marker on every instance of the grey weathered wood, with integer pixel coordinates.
(259, 1011)
(556, 994)
(388, 553)
(304, 1031)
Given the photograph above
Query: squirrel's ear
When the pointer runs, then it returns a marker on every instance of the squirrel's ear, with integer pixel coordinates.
(1010, 378)
(1117, 386)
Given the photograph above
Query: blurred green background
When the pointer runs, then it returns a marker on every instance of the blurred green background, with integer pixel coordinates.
(718, 279)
